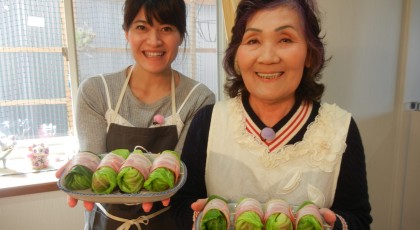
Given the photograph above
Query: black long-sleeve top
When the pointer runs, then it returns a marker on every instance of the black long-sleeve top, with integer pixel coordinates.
(351, 199)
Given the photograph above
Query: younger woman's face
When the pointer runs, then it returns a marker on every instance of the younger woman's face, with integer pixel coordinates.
(154, 47)
(272, 55)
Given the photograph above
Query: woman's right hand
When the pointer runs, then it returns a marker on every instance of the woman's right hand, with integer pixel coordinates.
(72, 202)
(198, 206)
(329, 216)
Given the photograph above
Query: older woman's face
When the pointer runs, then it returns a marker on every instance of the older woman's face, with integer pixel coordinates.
(272, 55)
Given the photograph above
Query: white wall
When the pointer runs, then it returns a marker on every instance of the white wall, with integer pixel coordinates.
(411, 199)
(412, 81)
(41, 211)
(364, 77)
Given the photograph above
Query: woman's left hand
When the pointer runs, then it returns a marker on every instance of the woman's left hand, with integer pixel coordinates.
(147, 206)
(329, 216)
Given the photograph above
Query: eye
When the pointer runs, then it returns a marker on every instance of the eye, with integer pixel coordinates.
(286, 40)
(140, 27)
(168, 28)
(251, 41)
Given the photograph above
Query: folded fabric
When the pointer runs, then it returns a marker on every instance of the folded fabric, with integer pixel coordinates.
(249, 215)
(308, 217)
(104, 179)
(78, 174)
(165, 172)
(278, 215)
(134, 172)
(216, 215)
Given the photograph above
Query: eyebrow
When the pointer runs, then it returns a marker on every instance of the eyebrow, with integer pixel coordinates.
(276, 30)
(140, 20)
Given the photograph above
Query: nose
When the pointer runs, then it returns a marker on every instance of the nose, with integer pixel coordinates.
(268, 54)
(154, 38)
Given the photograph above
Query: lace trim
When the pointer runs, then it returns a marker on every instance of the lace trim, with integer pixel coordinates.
(323, 143)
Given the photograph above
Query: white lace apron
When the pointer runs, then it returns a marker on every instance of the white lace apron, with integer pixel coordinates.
(241, 165)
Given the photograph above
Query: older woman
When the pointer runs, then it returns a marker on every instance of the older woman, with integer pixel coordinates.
(274, 138)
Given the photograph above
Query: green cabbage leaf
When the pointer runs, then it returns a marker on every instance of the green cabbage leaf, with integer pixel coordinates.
(129, 179)
(78, 178)
(278, 221)
(160, 179)
(104, 180)
(248, 220)
(308, 222)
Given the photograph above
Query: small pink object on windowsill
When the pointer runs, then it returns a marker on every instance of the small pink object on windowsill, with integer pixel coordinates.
(39, 156)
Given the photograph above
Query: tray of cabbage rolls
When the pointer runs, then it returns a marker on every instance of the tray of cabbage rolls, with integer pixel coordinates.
(248, 213)
(123, 177)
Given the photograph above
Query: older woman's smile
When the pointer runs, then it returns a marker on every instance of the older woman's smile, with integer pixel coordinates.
(269, 75)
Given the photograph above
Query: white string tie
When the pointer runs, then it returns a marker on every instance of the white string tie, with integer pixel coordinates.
(128, 223)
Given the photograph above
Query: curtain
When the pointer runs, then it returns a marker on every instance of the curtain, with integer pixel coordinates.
(229, 8)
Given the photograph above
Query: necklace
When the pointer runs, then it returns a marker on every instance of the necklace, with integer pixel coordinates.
(267, 134)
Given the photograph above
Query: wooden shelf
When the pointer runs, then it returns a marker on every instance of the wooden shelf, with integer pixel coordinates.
(30, 183)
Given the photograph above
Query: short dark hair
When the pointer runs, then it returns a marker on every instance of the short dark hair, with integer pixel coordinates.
(309, 88)
(171, 12)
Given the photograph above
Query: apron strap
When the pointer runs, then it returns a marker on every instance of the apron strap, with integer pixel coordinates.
(128, 223)
(127, 79)
(108, 100)
(188, 96)
(173, 93)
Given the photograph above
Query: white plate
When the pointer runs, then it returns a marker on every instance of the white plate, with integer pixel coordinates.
(232, 207)
(124, 198)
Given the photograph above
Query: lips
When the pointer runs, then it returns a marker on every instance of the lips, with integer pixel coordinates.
(269, 75)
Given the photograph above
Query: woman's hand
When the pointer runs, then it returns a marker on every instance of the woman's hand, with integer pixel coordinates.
(72, 202)
(198, 206)
(149, 205)
(60, 171)
(329, 216)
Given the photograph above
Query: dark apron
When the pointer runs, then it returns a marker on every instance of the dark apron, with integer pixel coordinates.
(154, 140)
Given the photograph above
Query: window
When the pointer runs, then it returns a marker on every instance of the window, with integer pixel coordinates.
(37, 84)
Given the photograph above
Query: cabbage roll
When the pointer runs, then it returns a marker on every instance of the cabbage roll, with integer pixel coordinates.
(308, 217)
(278, 215)
(164, 172)
(104, 179)
(249, 215)
(216, 215)
(78, 174)
(134, 172)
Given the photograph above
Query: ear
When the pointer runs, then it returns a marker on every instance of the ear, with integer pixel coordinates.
(180, 41)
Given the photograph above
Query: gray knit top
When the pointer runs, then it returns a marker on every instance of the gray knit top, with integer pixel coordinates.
(92, 105)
